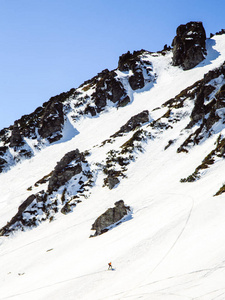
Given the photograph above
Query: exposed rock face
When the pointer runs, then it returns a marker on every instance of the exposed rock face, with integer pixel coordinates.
(45, 204)
(45, 124)
(189, 45)
(65, 169)
(131, 62)
(16, 139)
(47, 120)
(208, 107)
(2, 163)
(200, 109)
(134, 122)
(52, 121)
(110, 217)
(108, 88)
(19, 216)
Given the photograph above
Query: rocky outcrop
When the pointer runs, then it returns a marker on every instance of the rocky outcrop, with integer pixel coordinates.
(108, 88)
(44, 124)
(16, 139)
(66, 168)
(222, 31)
(46, 203)
(133, 123)
(132, 62)
(17, 220)
(208, 107)
(111, 217)
(52, 121)
(189, 45)
(136, 121)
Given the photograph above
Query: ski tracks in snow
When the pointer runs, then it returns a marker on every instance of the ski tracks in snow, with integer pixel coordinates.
(179, 235)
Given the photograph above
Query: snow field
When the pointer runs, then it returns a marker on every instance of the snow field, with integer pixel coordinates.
(171, 248)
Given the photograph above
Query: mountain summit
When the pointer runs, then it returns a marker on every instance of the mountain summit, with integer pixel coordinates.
(128, 168)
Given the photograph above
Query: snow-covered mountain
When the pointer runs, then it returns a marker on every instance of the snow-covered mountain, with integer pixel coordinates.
(128, 168)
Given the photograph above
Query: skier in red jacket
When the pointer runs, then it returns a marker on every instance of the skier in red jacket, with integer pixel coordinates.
(110, 266)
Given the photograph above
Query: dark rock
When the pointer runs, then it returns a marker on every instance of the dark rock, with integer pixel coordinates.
(26, 203)
(124, 101)
(108, 88)
(91, 110)
(3, 163)
(3, 150)
(131, 62)
(134, 122)
(189, 45)
(66, 209)
(222, 31)
(166, 48)
(124, 63)
(111, 217)
(198, 111)
(18, 217)
(64, 171)
(16, 139)
(52, 121)
(112, 181)
(137, 80)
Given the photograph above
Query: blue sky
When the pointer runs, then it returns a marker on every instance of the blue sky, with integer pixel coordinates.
(49, 46)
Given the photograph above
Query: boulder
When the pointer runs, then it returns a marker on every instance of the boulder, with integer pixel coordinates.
(189, 45)
(111, 217)
(112, 181)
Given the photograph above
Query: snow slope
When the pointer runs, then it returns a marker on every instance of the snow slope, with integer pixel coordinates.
(173, 245)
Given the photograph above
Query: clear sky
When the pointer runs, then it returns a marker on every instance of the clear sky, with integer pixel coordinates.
(49, 46)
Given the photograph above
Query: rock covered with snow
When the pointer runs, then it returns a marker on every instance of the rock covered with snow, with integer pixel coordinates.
(133, 63)
(60, 194)
(189, 45)
(65, 169)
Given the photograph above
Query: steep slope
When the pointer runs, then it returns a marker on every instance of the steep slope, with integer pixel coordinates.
(154, 140)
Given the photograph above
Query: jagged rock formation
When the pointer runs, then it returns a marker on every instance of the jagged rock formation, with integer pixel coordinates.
(16, 139)
(132, 62)
(111, 217)
(59, 195)
(208, 106)
(134, 122)
(68, 166)
(45, 125)
(222, 31)
(72, 178)
(189, 45)
(52, 121)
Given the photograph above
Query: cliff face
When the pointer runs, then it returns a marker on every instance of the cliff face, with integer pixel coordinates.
(189, 45)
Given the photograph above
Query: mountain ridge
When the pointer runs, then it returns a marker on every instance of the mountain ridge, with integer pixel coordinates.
(149, 133)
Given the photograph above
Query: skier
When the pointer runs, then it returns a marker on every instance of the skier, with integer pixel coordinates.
(110, 266)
